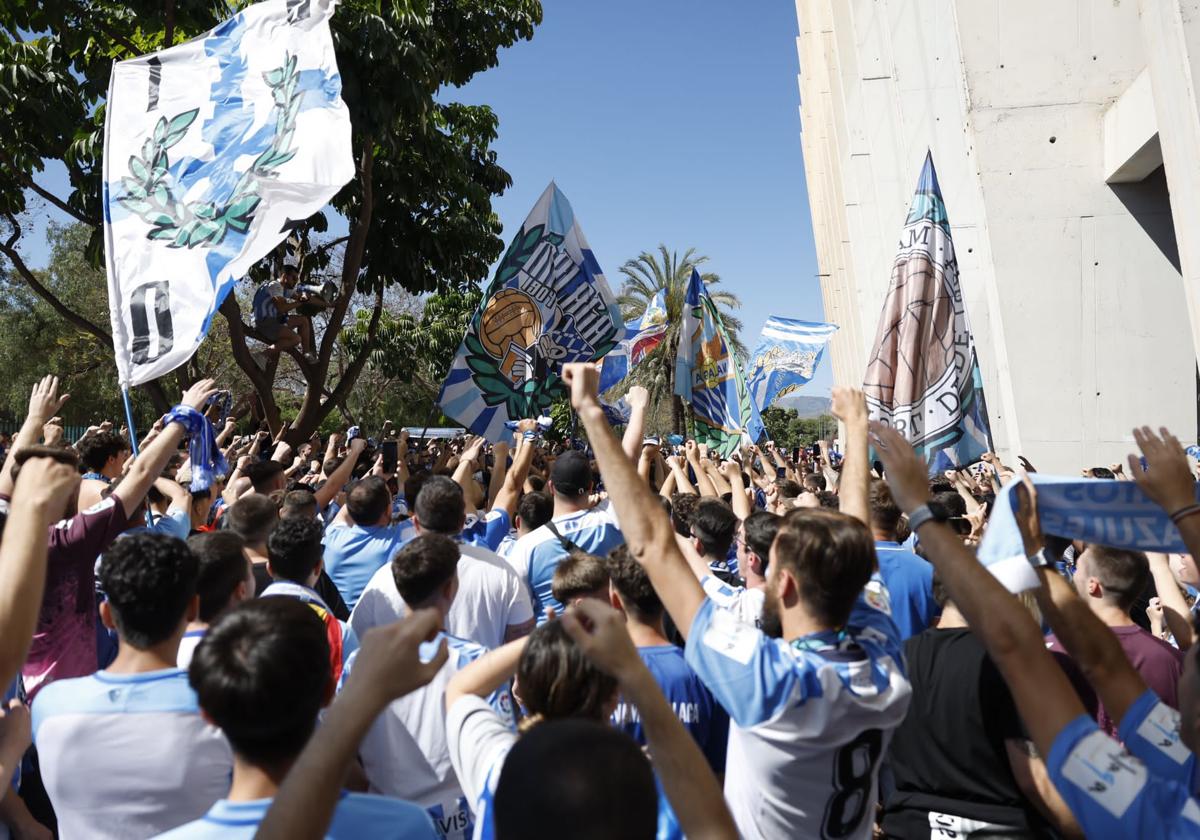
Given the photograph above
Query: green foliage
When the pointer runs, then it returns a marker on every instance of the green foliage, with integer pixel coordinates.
(789, 430)
(644, 277)
(420, 209)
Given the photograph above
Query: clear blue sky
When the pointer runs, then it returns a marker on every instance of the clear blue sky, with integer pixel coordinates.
(673, 121)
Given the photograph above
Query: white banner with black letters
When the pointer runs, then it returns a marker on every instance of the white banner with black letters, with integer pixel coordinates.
(212, 149)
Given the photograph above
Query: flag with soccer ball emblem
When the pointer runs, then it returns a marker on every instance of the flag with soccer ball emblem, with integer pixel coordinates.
(548, 305)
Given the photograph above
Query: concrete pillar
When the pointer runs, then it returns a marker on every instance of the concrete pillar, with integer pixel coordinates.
(1171, 33)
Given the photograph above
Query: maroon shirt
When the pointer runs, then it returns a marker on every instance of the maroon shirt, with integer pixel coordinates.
(64, 643)
(1158, 663)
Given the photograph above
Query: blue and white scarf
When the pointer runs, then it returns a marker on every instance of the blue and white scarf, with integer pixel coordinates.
(206, 457)
(1100, 511)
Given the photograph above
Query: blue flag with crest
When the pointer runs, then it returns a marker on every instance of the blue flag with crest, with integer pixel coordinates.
(710, 379)
(786, 357)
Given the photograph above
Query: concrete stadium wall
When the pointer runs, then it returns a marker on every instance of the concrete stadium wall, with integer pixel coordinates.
(1061, 218)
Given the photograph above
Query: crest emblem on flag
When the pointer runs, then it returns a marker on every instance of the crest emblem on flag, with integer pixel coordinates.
(548, 305)
(786, 357)
(211, 149)
(709, 377)
(923, 376)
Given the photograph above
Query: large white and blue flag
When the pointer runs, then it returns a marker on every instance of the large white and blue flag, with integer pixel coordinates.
(786, 357)
(923, 376)
(548, 305)
(211, 150)
(709, 378)
(641, 336)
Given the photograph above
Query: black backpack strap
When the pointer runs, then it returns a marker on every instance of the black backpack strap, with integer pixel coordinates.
(568, 545)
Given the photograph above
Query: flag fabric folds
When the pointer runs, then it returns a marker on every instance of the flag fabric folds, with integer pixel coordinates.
(641, 336)
(548, 305)
(211, 149)
(923, 376)
(709, 378)
(786, 357)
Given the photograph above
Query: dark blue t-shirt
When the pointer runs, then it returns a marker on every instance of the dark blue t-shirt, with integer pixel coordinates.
(694, 705)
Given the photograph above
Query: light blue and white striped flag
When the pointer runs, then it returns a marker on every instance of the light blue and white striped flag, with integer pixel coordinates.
(786, 357)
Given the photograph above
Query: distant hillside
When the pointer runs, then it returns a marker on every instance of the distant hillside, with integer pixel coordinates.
(806, 406)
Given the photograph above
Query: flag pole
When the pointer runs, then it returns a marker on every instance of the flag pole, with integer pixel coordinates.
(133, 441)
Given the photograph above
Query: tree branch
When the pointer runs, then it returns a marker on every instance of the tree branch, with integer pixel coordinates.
(169, 24)
(261, 380)
(8, 248)
(352, 261)
(348, 379)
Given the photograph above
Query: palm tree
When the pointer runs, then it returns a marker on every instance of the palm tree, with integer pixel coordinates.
(667, 271)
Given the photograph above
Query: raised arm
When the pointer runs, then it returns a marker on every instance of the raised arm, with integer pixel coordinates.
(466, 462)
(487, 673)
(1170, 596)
(149, 463)
(328, 491)
(682, 483)
(702, 482)
(645, 524)
(44, 403)
(514, 482)
(43, 489)
(499, 471)
(638, 399)
(854, 489)
(687, 780)
(388, 667)
(731, 471)
(1044, 696)
(1167, 480)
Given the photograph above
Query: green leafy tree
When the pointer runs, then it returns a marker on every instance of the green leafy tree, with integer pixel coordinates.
(418, 211)
(411, 354)
(644, 277)
(789, 430)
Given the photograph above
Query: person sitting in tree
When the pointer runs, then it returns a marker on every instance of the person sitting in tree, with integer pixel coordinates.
(272, 304)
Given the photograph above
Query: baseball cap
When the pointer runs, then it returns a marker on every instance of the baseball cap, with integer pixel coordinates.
(571, 474)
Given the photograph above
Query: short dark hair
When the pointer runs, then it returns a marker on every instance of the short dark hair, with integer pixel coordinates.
(149, 579)
(252, 518)
(577, 575)
(683, 505)
(787, 488)
(423, 566)
(832, 555)
(535, 510)
(715, 525)
(760, 529)
(557, 680)
(1123, 574)
(295, 502)
(814, 482)
(633, 585)
(440, 506)
(222, 566)
(537, 483)
(262, 473)
(368, 501)
(885, 513)
(95, 449)
(329, 465)
(294, 548)
(584, 774)
(262, 673)
(941, 595)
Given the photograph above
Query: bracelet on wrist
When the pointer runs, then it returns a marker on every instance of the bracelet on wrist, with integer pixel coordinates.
(920, 516)
(1184, 512)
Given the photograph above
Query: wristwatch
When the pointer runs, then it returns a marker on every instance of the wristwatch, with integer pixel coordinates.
(919, 517)
(1039, 558)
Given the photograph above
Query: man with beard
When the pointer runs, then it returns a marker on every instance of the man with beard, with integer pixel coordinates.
(816, 693)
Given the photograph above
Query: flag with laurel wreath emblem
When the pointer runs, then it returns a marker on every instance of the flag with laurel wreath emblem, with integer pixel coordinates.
(212, 150)
(548, 305)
